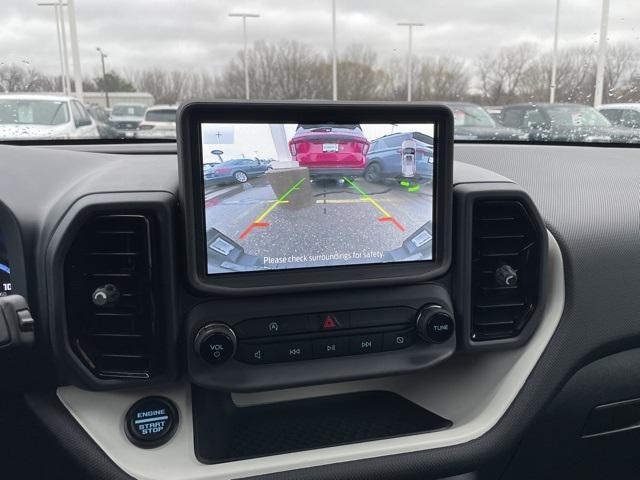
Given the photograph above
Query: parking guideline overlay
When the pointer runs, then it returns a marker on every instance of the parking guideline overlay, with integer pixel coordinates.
(258, 222)
(387, 216)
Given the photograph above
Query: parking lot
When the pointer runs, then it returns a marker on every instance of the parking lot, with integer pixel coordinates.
(346, 221)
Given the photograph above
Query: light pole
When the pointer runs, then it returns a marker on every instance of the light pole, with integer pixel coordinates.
(62, 42)
(554, 60)
(104, 76)
(75, 52)
(602, 54)
(334, 61)
(244, 17)
(410, 54)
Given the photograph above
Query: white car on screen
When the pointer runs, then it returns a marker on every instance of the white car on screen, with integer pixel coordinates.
(38, 117)
(159, 122)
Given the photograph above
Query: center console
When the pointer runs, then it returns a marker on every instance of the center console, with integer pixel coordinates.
(323, 221)
(319, 279)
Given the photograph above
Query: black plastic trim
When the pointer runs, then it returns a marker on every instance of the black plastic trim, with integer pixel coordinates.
(76, 442)
(465, 197)
(224, 432)
(161, 206)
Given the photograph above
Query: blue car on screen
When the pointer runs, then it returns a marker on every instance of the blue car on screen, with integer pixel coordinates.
(233, 171)
(399, 156)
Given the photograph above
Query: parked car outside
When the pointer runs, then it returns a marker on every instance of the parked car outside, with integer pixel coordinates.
(233, 171)
(125, 118)
(622, 114)
(385, 157)
(101, 117)
(330, 151)
(566, 122)
(159, 122)
(495, 112)
(44, 117)
(472, 122)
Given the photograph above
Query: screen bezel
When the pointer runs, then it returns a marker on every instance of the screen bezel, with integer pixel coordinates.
(192, 115)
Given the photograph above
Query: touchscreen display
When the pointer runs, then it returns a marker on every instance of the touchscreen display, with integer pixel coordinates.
(288, 196)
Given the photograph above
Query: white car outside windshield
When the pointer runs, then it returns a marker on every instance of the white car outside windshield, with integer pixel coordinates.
(38, 117)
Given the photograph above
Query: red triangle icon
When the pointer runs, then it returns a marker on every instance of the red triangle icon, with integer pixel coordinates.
(329, 322)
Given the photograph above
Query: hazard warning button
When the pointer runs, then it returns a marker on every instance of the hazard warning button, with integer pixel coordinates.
(330, 321)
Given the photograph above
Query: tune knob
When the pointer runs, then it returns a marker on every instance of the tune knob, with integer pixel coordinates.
(105, 295)
(435, 324)
(215, 343)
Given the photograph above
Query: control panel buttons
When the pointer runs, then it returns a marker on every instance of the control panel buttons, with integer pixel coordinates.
(382, 316)
(435, 324)
(291, 338)
(256, 354)
(273, 326)
(330, 321)
(292, 351)
(330, 347)
(151, 422)
(215, 343)
(360, 344)
(397, 340)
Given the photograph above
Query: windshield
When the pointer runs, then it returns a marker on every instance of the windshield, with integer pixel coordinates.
(471, 116)
(576, 116)
(33, 112)
(497, 65)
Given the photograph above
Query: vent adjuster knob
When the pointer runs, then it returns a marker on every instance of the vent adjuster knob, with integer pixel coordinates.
(105, 295)
(506, 276)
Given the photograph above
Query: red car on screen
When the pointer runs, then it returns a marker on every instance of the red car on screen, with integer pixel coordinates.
(330, 150)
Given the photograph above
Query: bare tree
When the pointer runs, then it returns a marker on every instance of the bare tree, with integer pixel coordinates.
(200, 85)
(359, 77)
(395, 79)
(441, 78)
(622, 68)
(576, 74)
(16, 78)
(502, 74)
(284, 70)
(294, 70)
(173, 86)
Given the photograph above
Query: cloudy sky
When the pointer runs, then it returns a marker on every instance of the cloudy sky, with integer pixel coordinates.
(198, 34)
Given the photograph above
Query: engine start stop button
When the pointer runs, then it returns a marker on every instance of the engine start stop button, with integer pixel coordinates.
(151, 422)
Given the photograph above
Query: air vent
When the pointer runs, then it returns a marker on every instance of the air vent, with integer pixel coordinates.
(120, 339)
(505, 274)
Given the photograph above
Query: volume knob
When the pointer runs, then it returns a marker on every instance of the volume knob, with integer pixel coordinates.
(215, 343)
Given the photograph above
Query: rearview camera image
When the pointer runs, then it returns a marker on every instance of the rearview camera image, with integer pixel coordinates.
(286, 196)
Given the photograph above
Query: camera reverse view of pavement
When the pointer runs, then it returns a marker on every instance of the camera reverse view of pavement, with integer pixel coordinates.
(339, 196)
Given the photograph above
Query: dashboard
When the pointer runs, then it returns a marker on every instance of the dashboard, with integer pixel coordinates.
(444, 374)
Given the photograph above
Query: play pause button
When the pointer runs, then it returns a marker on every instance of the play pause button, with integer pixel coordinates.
(330, 347)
